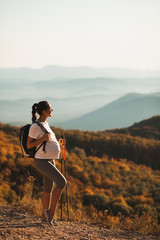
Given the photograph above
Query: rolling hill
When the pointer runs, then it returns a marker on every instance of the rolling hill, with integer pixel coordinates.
(118, 114)
(148, 128)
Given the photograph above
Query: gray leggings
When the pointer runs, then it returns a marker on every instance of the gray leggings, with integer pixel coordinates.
(50, 174)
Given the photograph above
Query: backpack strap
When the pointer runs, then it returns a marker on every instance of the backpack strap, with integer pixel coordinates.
(44, 144)
(44, 130)
(41, 126)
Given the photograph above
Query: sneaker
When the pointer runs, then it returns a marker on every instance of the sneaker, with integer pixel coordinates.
(48, 216)
(54, 223)
(44, 221)
(49, 220)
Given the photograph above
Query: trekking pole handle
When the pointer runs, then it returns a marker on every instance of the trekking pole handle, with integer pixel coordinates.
(62, 140)
(62, 143)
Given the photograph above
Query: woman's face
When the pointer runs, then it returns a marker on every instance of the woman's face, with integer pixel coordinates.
(49, 110)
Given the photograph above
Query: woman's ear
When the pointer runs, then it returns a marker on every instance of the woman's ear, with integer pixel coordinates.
(43, 112)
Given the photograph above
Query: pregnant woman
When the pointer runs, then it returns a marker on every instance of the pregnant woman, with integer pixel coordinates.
(45, 159)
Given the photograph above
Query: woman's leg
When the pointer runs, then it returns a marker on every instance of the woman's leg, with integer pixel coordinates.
(56, 194)
(46, 197)
(51, 174)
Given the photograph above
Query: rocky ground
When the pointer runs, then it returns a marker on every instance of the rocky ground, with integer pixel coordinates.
(15, 223)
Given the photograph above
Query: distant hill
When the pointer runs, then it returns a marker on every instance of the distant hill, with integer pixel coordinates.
(17, 112)
(148, 128)
(118, 114)
(112, 88)
(56, 72)
(121, 113)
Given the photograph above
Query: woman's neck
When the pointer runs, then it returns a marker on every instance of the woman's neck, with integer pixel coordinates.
(42, 119)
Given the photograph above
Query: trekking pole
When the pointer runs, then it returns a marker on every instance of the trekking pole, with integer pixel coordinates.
(62, 144)
(61, 158)
(62, 193)
(65, 172)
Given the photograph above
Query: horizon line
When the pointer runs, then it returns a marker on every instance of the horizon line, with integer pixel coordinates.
(81, 66)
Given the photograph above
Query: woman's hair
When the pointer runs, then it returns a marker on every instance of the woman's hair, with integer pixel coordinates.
(38, 108)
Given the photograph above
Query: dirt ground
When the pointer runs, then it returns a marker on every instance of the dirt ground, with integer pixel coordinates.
(15, 223)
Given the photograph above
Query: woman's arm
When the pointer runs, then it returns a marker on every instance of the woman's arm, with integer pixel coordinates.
(31, 142)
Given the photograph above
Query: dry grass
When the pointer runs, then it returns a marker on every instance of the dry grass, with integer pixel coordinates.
(28, 202)
(144, 224)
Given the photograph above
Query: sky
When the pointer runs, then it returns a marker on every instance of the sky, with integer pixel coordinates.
(96, 33)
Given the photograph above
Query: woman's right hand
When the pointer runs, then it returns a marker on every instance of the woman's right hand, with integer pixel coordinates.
(46, 136)
(31, 142)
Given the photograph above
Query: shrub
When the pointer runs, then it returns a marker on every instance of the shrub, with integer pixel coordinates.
(88, 191)
(79, 152)
(108, 183)
(75, 170)
(84, 177)
(7, 193)
(142, 199)
(96, 179)
(145, 208)
(30, 203)
(99, 201)
(121, 208)
(143, 224)
(119, 199)
(119, 205)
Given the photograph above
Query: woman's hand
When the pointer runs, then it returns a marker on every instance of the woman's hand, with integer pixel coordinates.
(31, 142)
(46, 136)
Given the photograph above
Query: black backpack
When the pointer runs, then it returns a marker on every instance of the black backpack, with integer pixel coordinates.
(23, 141)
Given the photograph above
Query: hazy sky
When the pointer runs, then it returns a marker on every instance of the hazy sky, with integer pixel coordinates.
(100, 33)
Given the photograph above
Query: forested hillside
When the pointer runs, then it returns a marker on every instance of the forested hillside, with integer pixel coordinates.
(148, 128)
(101, 179)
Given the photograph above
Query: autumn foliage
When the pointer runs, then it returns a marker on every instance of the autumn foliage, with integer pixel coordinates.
(112, 178)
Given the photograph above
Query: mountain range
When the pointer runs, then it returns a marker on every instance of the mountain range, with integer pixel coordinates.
(118, 114)
(76, 93)
(62, 72)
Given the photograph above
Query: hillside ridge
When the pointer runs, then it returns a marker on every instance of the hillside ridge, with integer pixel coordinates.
(147, 128)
